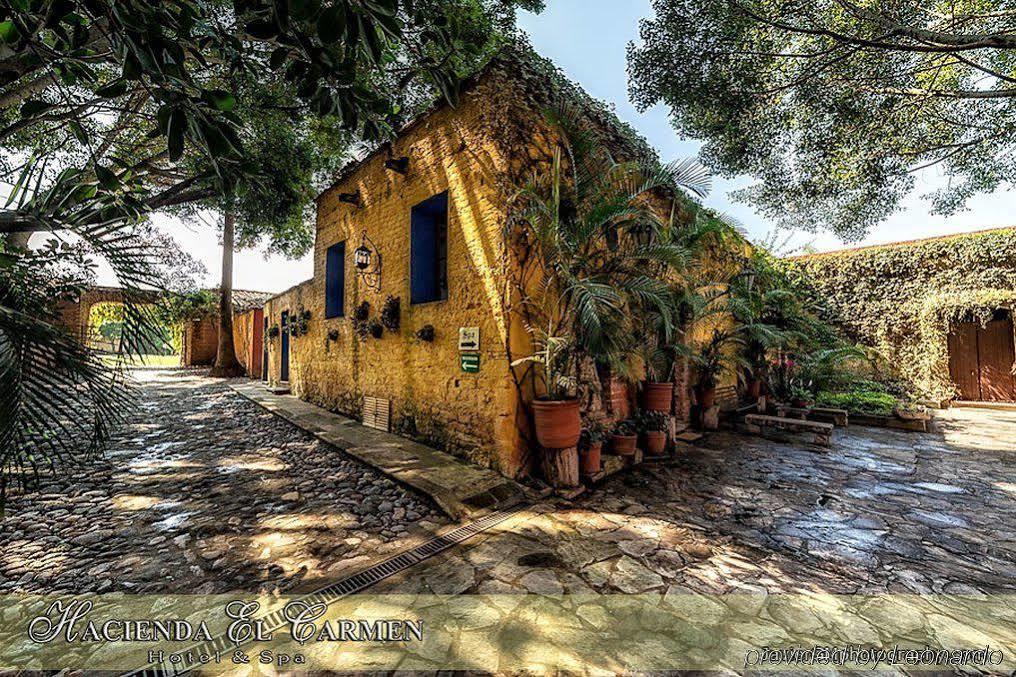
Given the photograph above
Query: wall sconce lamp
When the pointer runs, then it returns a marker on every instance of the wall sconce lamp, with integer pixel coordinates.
(398, 165)
(747, 275)
(367, 260)
(351, 198)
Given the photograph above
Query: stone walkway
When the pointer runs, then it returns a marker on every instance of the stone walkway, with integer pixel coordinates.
(462, 490)
(206, 492)
(882, 512)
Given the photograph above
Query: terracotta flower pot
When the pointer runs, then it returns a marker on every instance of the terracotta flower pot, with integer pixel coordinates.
(706, 397)
(557, 423)
(623, 445)
(658, 396)
(656, 442)
(589, 459)
(754, 389)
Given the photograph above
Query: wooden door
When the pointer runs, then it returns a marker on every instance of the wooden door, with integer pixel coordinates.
(963, 365)
(981, 360)
(264, 353)
(995, 355)
(284, 358)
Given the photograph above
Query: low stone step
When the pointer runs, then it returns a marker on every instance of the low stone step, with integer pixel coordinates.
(688, 437)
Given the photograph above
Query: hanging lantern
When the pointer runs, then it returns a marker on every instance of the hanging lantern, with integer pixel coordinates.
(367, 260)
(362, 257)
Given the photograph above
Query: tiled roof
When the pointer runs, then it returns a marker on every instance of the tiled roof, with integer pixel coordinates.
(244, 299)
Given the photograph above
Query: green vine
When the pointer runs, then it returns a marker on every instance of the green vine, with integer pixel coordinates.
(903, 299)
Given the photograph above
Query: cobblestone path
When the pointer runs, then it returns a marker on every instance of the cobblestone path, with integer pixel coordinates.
(881, 512)
(205, 492)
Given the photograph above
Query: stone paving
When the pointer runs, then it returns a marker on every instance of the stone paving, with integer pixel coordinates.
(462, 490)
(881, 512)
(205, 492)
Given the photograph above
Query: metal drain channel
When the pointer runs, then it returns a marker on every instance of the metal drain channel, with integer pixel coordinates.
(336, 591)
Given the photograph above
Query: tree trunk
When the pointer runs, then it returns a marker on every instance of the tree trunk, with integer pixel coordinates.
(18, 240)
(226, 365)
(561, 467)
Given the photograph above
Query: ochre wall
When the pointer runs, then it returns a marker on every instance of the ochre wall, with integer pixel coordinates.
(200, 342)
(479, 152)
(432, 398)
(247, 330)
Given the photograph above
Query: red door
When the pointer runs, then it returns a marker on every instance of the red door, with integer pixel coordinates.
(981, 360)
(257, 345)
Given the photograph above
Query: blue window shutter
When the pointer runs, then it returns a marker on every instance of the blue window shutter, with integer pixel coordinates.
(335, 281)
(428, 248)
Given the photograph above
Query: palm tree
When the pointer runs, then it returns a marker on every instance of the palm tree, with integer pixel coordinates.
(58, 400)
(599, 254)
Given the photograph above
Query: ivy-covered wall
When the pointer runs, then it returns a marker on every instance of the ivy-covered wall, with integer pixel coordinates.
(902, 298)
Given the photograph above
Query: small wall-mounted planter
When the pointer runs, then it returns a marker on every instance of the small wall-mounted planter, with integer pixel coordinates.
(426, 333)
(391, 314)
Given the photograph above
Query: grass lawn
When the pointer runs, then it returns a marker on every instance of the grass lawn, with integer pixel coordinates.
(148, 360)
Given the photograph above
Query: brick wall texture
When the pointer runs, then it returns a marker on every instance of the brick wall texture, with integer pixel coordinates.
(493, 137)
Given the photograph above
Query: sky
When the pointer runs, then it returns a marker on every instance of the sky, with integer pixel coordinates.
(588, 41)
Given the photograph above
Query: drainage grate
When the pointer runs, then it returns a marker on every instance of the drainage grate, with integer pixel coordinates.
(347, 586)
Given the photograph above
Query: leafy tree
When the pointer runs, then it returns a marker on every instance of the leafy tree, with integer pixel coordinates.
(835, 104)
(113, 109)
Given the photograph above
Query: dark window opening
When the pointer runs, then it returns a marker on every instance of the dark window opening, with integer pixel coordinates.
(428, 250)
(335, 281)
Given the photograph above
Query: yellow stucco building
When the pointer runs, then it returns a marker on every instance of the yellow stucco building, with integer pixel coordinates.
(420, 224)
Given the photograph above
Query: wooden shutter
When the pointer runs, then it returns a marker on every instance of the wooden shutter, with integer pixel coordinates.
(335, 280)
(428, 250)
(377, 413)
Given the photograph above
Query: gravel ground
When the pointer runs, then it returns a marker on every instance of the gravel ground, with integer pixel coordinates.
(205, 492)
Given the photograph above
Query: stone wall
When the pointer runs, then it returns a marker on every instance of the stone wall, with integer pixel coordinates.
(248, 328)
(479, 152)
(902, 299)
(199, 342)
(432, 398)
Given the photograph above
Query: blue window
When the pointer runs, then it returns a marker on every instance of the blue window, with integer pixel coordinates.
(428, 250)
(335, 281)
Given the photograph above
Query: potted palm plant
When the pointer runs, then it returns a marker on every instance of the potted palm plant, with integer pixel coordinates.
(557, 421)
(590, 447)
(659, 359)
(653, 426)
(712, 359)
(592, 254)
(624, 438)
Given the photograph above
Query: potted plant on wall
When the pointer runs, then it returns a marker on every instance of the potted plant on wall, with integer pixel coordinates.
(800, 396)
(653, 427)
(590, 447)
(624, 438)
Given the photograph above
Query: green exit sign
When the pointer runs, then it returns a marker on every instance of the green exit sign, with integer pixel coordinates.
(470, 363)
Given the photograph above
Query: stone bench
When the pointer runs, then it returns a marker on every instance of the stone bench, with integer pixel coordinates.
(838, 417)
(761, 424)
